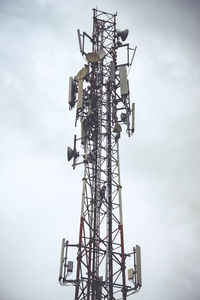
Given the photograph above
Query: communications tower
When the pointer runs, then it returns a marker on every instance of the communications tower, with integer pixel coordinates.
(101, 98)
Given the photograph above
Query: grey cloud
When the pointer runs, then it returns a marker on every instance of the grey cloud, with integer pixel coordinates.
(40, 197)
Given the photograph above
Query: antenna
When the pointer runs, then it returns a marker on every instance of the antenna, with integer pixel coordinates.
(70, 97)
(138, 264)
(80, 94)
(79, 40)
(100, 91)
(61, 259)
(72, 92)
(123, 81)
(133, 117)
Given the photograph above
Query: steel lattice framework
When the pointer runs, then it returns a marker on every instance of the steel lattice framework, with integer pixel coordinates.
(101, 94)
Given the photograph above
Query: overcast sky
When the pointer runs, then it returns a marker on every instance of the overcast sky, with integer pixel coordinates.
(41, 193)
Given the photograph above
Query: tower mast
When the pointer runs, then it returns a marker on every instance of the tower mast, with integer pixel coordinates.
(100, 93)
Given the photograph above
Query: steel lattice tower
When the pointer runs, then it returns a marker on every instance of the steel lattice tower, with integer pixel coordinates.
(100, 92)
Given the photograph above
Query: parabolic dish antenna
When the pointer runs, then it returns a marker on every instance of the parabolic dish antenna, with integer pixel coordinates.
(82, 73)
(95, 56)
